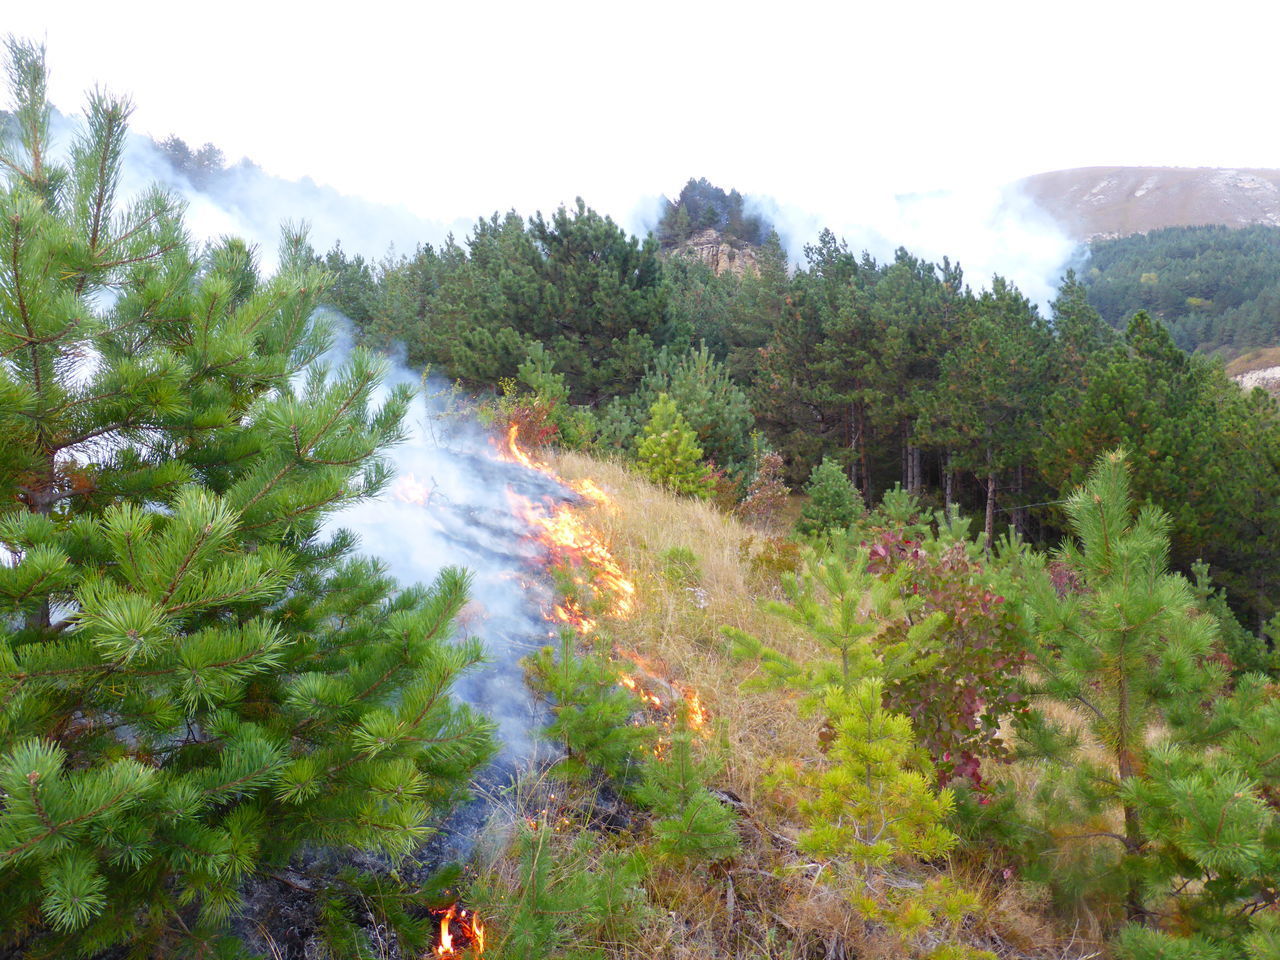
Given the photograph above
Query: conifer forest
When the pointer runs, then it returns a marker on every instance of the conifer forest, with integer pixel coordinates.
(556, 592)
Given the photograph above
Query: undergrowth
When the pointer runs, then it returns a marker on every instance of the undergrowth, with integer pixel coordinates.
(630, 887)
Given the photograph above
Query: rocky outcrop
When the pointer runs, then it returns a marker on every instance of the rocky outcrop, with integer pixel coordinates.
(718, 253)
(1102, 202)
(1268, 378)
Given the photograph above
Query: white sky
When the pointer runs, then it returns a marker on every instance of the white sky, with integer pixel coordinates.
(461, 109)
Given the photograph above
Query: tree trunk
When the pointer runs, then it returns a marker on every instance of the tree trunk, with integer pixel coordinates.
(990, 526)
(906, 456)
(948, 486)
(1020, 518)
(1133, 839)
(858, 444)
(917, 472)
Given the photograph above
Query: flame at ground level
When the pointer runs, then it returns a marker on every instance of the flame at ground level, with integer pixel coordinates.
(575, 546)
(460, 929)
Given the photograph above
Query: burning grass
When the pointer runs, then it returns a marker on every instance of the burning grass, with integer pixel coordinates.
(660, 576)
(674, 627)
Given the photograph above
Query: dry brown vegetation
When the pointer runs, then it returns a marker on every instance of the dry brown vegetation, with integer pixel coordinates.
(1260, 359)
(769, 902)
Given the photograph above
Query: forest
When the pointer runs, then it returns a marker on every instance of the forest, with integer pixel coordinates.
(1214, 287)
(900, 619)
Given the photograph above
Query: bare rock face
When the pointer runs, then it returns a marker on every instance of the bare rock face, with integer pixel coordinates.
(1103, 202)
(1268, 378)
(719, 254)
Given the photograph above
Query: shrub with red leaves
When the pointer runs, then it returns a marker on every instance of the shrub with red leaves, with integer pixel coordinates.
(533, 416)
(958, 705)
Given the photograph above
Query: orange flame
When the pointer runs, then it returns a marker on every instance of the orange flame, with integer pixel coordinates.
(471, 932)
(696, 714)
(445, 946)
(573, 543)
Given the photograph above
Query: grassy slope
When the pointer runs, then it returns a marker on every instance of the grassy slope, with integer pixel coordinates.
(768, 903)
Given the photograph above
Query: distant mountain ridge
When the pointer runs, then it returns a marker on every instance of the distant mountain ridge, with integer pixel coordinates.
(1104, 202)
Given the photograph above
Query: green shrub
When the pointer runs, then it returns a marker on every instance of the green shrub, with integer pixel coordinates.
(668, 453)
(834, 502)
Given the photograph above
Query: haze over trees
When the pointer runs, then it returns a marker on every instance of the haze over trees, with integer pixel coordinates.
(1023, 622)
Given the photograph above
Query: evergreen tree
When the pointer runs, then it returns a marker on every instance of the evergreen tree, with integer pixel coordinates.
(711, 404)
(833, 503)
(1202, 449)
(990, 393)
(196, 678)
(592, 714)
(568, 899)
(668, 452)
(692, 824)
(1131, 652)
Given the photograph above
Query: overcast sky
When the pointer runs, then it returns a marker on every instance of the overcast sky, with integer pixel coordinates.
(459, 109)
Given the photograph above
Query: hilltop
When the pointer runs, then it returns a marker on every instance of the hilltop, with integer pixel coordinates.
(1101, 202)
(713, 226)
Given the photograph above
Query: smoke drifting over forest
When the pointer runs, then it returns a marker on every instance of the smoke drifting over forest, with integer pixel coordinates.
(989, 229)
(243, 200)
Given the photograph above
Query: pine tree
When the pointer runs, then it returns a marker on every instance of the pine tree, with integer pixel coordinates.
(1131, 652)
(692, 824)
(668, 451)
(712, 405)
(834, 503)
(592, 714)
(197, 678)
(569, 898)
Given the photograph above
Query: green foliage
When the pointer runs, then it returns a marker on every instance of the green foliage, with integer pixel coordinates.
(769, 558)
(847, 609)
(702, 205)
(865, 806)
(591, 713)
(833, 502)
(1201, 449)
(1132, 649)
(575, 426)
(871, 802)
(569, 900)
(1213, 286)
(668, 453)
(680, 566)
(692, 824)
(197, 679)
(869, 806)
(1248, 652)
(716, 409)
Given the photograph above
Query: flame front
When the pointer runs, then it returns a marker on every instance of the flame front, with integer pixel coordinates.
(470, 932)
(575, 546)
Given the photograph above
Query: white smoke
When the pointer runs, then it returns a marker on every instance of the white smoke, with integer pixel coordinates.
(988, 229)
(246, 202)
(451, 505)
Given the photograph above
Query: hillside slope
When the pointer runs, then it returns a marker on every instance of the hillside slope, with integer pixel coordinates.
(1093, 202)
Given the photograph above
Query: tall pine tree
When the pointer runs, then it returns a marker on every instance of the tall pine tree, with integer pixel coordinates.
(196, 676)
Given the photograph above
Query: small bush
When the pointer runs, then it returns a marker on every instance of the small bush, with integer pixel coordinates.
(680, 566)
(767, 494)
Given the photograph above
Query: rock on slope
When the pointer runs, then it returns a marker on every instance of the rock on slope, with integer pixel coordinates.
(718, 253)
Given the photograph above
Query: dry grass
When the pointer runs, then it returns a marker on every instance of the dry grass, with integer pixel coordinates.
(1259, 359)
(768, 903)
(676, 625)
